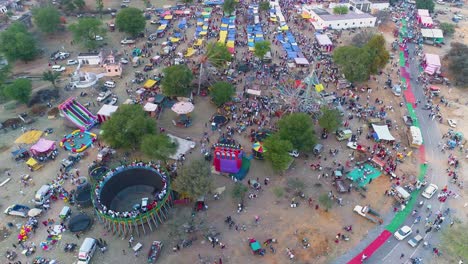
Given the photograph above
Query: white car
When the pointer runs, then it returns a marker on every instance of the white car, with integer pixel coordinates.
(154, 22)
(125, 1)
(72, 62)
(127, 41)
(403, 232)
(294, 153)
(352, 145)
(103, 96)
(452, 123)
(109, 84)
(114, 100)
(430, 191)
(58, 68)
(99, 38)
(123, 61)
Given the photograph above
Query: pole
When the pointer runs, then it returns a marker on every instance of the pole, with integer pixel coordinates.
(199, 78)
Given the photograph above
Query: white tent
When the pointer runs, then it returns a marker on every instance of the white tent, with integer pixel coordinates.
(183, 146)
(323, 40)
(301, 61)
(254, 92)
(150, 107)
(105, 112)
(382, 132)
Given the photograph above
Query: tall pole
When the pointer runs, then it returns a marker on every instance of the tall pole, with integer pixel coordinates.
(199, 78)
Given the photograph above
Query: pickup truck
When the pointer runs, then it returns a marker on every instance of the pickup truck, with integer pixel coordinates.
(368, 213)
(17, 210)
(103, 96)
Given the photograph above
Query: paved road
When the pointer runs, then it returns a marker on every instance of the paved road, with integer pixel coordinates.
(391, 251)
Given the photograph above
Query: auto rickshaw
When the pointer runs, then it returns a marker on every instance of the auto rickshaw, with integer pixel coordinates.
(33, 164)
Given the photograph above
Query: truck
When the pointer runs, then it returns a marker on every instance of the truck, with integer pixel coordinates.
(17, 210)
(343, 134)
(368, 213)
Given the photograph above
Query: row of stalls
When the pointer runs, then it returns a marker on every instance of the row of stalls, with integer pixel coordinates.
(429, 33)
(254, 29)
(201, 31)
(227, 33)
(431, 64)
(40, 150)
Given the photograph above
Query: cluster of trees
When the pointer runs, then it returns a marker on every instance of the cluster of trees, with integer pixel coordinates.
(447, 28)
(194, 180)
(131, 128)
(16, 43)
(261, 48)
(458, 63)
(425, 4)
(85, 31)
(130, 20)
(229, 6)
(358, 63)
(296, 131)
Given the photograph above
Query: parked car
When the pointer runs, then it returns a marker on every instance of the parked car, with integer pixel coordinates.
(113, 100)
(452, 123)
(127, 41)
(403, 232)
(99, 38)
(72, 62)
(294, 153)
(123, 6)
(123, 61)
(17, 210)
(109, 84)
(415, 241)
(125, 1)
(58, 68)
(430, 191)
(103, 96)
(154, 21)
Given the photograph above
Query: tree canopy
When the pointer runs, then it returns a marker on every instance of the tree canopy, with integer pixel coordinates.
(447, 28)
(340, 10)
(19, 90)
(73, 5)
(86, 30)
(4, 73)
(277, 152)
(47, 19)
(425, 4)
(458, 63)
(229, 6)
(238, 191)
(358, 63)
(298, 129)
(99, 6)
(222, 93)
(158, 146)
(16, 43)
(51, 76)
(177, 81)
(217, 54)
(261, 48)
(331, 119)
(264, 5)
(195, 179)
(363, 37)
(131, 21)
(127, 127)
(454, 240)
(325, 201)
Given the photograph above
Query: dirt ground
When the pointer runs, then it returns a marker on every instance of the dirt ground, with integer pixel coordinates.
(277, 219)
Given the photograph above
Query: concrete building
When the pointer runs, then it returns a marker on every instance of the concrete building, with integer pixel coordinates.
(90, 58)
(322, 19)
(367, 6)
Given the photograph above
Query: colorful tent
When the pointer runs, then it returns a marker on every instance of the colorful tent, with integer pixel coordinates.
(190, 52)
(42, 146)
(150, 83)
(29, 137)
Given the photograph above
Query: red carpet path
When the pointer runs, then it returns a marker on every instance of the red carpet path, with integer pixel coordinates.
(372, 247)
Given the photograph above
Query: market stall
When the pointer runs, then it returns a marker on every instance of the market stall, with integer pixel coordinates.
(324, 42)
(431, 63)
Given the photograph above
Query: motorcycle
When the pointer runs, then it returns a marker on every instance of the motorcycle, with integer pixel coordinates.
(69, 247)
(10, 255)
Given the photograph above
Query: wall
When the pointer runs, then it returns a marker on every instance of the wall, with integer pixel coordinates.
(345, 24)
(91, 60)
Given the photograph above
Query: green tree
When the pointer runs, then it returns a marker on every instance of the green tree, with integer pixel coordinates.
(261, 48)
(354, 62)
(447, 28)
(238, 191)
(222, 93)
(19, 90)
(378, 53)
(73, 5)
(229, 6)
(340, 10)
(264, 6)
(47, 19)
(458, 63)
(86, 30)
(217, 54)
(277, 152)
(187, 1)
(127, 127)
(159, 146)
(131, 21)
(16, 43)
(177, 81)
(99, 6)
(454, 241)
(51, 76)
(4, 73)
(425, 4)
(194, 180)
(298, 129)
(363, 37)
(325, 201)
(331, 119)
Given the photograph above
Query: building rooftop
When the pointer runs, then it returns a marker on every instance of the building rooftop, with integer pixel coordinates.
(320, 11)
(350, 15)
(88, 54)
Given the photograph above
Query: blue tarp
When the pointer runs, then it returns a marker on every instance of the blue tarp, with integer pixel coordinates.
(183, 23)
(164, 22)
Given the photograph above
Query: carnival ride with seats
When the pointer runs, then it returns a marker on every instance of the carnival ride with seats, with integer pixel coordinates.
(76, 113)
(78, 141)
(231, 159)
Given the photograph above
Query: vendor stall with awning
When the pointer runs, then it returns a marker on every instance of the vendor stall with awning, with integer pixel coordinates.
(324, 42)
(431, 63)
(382, 133)
(105, 112)
(42, 146)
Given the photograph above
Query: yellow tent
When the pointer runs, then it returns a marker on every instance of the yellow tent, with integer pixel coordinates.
(203, 33)
(273, 19)
(162, 27)
(319, 88)
(205, 28)
(190, 52)
(230, 44)
(174, 40)
(149, 84)
(284, 28)
(33, 164)
(306, 15)
(29, 137)
(199, 42)
(200, 23)
(251, 49)
(168, 17)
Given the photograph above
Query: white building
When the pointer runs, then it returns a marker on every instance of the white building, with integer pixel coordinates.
(90, 58)
(368, 6)
(322, 19)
